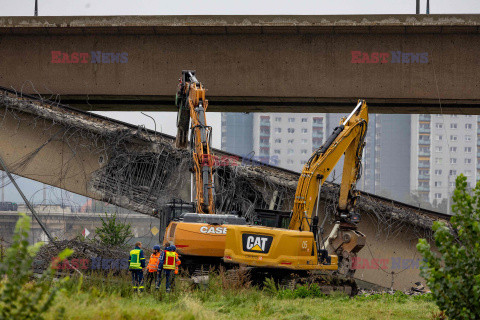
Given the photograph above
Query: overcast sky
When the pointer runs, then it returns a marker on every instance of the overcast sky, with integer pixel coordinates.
(195, 7)
(166, 121)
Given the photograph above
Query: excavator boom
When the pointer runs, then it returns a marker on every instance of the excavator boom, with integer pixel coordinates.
(192, 105)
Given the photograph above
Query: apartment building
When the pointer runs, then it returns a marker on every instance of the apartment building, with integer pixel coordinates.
(286, 139)
(386, 156)
(237, 133)
(443, 146)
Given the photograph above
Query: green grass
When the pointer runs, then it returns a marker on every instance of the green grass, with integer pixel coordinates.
(111, 298)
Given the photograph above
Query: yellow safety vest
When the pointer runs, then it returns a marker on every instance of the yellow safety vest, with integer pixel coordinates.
(135, 259)
(169, 263)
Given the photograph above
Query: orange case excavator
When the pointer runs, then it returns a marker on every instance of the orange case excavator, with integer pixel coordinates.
(199, 236)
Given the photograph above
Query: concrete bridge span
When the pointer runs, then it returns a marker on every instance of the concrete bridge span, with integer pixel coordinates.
(399, 63)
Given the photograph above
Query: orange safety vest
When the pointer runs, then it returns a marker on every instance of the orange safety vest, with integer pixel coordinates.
(153, 262)
(170, 258)
(178, 262)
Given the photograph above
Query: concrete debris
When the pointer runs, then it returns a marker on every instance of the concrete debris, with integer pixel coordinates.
(143, 170)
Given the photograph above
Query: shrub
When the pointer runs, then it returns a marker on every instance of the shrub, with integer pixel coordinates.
(113, 232)
(453, 275)
(21, 296)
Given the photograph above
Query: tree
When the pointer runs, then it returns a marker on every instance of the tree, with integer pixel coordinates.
(20, 296)
(453, 274)
(114, 232)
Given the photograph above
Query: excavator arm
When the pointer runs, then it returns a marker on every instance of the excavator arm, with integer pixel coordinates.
(348, 138)
(192, 105)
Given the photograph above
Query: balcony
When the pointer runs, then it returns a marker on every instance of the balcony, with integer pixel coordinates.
(423, 177)
(424, 188)
(424, 130)
(265, 144)
(424, 141)
(424, 117)
(424, 165)
(317, 135)
(424, 153)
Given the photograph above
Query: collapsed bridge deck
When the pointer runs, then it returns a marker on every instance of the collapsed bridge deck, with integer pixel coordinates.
(141, 169)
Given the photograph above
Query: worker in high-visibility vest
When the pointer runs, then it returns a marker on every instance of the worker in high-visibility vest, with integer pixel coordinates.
(169, 263)
(152, 267)
(160, 265)
(136, 265)
(177, 264)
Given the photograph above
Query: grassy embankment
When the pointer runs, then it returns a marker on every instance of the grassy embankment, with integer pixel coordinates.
(111, 298)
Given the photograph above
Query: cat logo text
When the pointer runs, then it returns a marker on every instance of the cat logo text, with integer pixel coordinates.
(256, 243)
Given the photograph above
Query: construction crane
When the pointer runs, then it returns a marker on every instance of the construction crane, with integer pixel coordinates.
(299, 248)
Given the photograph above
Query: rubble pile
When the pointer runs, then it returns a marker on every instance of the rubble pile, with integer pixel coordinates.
(87, 255)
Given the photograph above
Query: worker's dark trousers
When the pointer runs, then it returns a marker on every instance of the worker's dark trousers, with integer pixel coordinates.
(159, 278)
(151, 277)
(168, 276)
(137, 279)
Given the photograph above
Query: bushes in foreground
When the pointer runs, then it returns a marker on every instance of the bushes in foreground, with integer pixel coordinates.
(453, 275)
(21, 295)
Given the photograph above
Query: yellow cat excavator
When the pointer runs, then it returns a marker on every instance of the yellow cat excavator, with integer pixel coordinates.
(299, 248)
